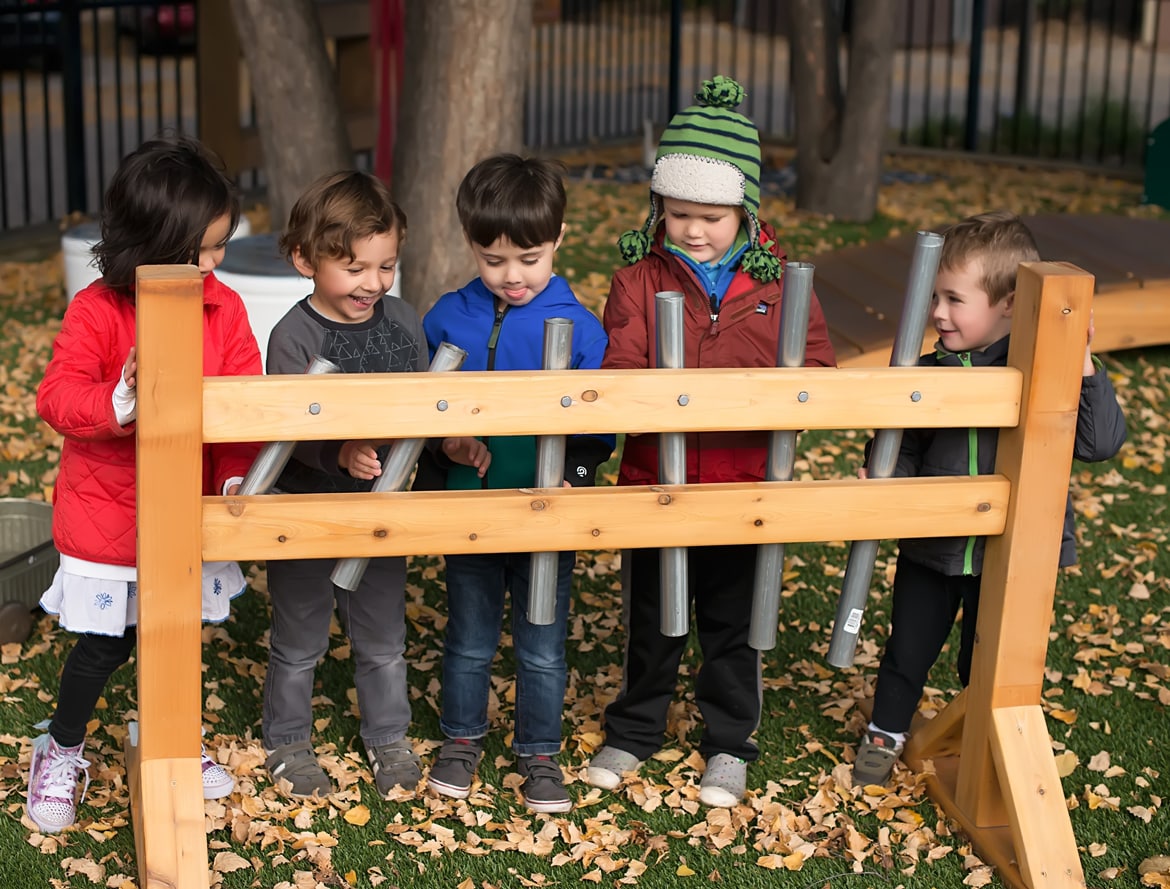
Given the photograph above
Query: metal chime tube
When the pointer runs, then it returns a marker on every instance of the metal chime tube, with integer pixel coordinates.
(794, 310)
(550, 472)
(274, 456)
(672, 466)
(883, 455)
(400, 462)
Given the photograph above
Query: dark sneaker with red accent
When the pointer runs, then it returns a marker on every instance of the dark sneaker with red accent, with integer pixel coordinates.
(876, 756)
(454, 768)
(544, 784)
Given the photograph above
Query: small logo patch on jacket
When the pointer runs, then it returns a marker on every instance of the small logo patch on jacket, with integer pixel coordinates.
(761, 308)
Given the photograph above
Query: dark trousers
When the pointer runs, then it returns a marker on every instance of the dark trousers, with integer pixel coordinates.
(924, 608)
(727, 689)
(88, 668)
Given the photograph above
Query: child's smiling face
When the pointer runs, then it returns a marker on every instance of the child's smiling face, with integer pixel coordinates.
(705, 231)
(963, 314)
(346, 289)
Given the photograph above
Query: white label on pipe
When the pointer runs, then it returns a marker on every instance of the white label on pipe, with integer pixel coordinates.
(853, 621)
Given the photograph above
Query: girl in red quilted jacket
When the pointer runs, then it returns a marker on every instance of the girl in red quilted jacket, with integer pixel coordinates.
(702, 238)
(168, 202)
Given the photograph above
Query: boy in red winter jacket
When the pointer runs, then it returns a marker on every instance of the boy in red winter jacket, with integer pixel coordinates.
(702, 238)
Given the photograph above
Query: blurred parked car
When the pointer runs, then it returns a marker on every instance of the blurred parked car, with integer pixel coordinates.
(161, 27)
(30, 32)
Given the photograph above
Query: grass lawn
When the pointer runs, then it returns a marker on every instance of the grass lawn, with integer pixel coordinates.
(1106, 692)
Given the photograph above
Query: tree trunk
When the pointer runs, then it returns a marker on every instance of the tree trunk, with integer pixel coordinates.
(840, 137)
(463, 99)
(302, 130)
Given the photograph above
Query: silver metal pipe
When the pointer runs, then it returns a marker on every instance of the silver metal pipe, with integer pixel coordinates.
(550, 472)
(672, 466)
(883, 455)
(769, 581)
(400, 462)
(274, 456)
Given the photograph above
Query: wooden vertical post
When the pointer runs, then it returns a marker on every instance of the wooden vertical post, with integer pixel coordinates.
(166, 785)
(1007, 794)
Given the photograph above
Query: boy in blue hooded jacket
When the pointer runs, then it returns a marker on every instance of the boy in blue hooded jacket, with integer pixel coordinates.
(512, 213)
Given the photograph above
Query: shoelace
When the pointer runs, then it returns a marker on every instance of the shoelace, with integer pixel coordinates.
(60, 776)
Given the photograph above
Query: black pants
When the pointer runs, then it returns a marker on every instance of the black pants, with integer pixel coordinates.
(88, 668)
(924, 609)
(727, 689)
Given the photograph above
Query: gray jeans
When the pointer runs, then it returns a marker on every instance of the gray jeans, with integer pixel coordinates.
(374, 618)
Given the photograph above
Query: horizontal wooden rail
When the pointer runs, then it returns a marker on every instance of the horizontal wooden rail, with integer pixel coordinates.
(336, 525)
(567, 402)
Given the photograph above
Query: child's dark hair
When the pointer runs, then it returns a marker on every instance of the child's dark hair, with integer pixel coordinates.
(338, 210)
(158, 206)
(999, 240)
(519, 198)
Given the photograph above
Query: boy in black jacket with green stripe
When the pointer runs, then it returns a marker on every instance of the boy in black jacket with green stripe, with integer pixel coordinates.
(971, 311)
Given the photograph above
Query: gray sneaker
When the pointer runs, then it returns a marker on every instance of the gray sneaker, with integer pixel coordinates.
(607, 766)
(297, 764)
(544, 784)
(454, 767)
(724, 781)
(395, 765)
(876, 756)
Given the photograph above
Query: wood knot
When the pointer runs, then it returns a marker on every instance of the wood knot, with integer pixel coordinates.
(473, 536)
(538, 505)
(589, 395)
(381, 532)
(759, 523)
(235, 508)
(282, 539)
(664, 500)
(596, 532)
(983, 507)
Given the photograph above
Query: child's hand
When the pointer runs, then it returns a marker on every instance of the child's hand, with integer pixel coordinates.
(1089, 369)
(863, 472)
(468, 451)
(360, 459)
(232, 490)
(130, 368)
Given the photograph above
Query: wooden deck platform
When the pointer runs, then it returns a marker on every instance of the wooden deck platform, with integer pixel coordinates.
(862, 288)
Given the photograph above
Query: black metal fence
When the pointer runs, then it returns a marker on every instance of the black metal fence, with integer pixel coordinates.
(84, 81)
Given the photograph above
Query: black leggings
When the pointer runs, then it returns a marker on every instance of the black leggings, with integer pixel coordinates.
(88, 668)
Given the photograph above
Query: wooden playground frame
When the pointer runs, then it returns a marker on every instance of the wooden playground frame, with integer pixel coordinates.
(988, 753)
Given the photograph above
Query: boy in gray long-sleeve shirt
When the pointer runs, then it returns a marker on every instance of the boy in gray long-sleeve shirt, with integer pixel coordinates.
(344, 232)
(971, 311)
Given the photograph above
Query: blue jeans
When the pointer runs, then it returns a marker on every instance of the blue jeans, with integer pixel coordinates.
(476, 586)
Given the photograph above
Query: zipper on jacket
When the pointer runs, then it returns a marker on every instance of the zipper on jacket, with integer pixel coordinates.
(714, 303)
(493, 341)
(972, 469)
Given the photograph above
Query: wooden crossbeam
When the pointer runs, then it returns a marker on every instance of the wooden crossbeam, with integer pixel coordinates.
(312, 526)
(577, 401)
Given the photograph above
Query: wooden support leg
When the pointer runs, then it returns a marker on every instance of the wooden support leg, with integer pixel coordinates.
(1046, 850)
(163, 753)
(166, 808)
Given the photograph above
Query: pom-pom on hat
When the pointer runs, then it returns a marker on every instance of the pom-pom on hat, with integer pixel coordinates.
(709, 154)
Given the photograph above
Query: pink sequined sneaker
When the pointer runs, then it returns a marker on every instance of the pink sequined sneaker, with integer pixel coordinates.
(217, 781)
(52, 784)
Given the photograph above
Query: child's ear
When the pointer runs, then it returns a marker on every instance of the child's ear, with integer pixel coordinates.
(303, 267)
(560, 237)
(1008, 303)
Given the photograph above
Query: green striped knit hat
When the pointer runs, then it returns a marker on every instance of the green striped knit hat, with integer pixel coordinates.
(709, 154)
